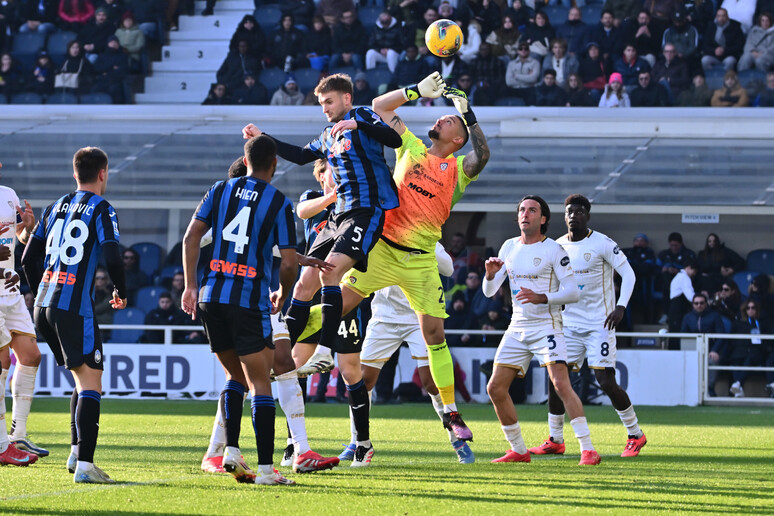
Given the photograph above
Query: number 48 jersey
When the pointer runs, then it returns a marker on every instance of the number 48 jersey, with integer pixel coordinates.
(73, 228)
(248, 218)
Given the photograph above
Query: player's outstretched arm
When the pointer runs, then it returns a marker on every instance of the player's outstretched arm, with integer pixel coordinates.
(292, 153)
(191, 242)
(385, 105)
(475, 160)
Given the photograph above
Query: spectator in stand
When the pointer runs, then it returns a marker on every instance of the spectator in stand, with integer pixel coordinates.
(685, 38)
(649, 93)
(209, 7)
(741, 11)
(703, 319)
(681, 293)
(641, 34)
(76, 62)
(103, 294)
(672, 72)
(415, 32)
(478, 303)
(521, 14)
(461, 318)
(94, 35)
(132, 40)
(488, 73)
(753, 352)
(463, 257)
(672, 260)
(148, 14)
(450, 67)
(236, 66)
(759, 46)
(288, 94)
(522, 75)
(732, 94)
(766, 97)
(593, 71)
(165, 314)
(135, 278)
(349, 42)
(699, 95)
(331, 10)
(504, 40)
(642, 258)
(41, 79)
(562, 63)
(723, 42)
(301, 11)
(410, 69)
(114, 9)
(577, 95)
(629, 65)
(251, 92)
(660, 14)
(539, 35)
(623, 10)
(286, 47)
(40, 16)
(385, 43)
(471, 40)
(111, 69)
(760, 290)
(614, 95)
(487, 14)
(74, 14)
(549, 93)
(317, 44)
(727, 301)
(11, 76)
(362, 92)
(459, 11)
(177, 287)
(608, 36)
(700, 13)
(576, 33)
(408, 12)
(218, 96)
(249, 30)
(716, 263)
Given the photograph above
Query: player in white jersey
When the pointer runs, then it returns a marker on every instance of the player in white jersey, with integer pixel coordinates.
(393, 322)
(17, 332)
(589, 324)
(541, 281)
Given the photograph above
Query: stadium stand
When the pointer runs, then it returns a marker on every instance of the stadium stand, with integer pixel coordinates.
(150, 257)
(131, 315)
(761, 260)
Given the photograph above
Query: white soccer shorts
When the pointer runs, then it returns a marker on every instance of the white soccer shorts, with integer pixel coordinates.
(516, 349)
(14, 318)
(383, 338)
(596, 345)
(279, 330)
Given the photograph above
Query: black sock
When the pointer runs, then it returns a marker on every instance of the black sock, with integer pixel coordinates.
(358, 402)
(264, 413)
(73, 426)
(87, 419)
(331, 315)
(302, 383)
(296, 318)
(232, 398)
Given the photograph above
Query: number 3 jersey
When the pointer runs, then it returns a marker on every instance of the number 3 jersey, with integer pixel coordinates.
(248, 218)
(73, 228)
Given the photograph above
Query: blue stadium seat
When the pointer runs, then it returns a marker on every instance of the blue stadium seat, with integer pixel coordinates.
(368, 15)
(751, 74)
(377, 77)
(150, 257)
(268, 17)
(3, 99)
(25, 61)
(272, 79)
(57, 44)
(557, 14)
(27, 98)
(28, 43)
(714, 77)
(62, 97)
(743, 279)
(307, 79)
(761, 260)
(96, 98)
(127, 316)
(510, 101)
(147, 298)
(591, 13)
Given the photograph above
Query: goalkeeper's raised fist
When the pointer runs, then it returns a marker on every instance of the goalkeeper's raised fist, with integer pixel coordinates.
(431, 86)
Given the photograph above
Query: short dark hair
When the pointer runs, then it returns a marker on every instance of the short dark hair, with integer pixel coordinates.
(165, 295)
(549, 71)
(465, 135)
(578, 199)
(675, 237)
(237, 168)
(339, 82)
(692, 263)
(260, 152)
(699, 294)
(607, 11)
(87, 162)
(545, 211)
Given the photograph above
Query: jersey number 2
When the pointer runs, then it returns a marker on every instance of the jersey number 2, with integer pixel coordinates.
(236, 230)
(61, 240)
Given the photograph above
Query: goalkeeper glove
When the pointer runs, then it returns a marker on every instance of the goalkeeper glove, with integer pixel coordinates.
(431, 87)
(460, 100)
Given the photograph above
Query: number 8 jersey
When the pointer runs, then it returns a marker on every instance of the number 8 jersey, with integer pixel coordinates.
(73, 228)
(248, 218)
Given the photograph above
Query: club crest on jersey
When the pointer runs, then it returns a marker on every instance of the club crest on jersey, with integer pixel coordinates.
(616, 250)
(565, 261)
(97, 356)
(444, 166)
(352, 280)
(587, 256)
(536, 261)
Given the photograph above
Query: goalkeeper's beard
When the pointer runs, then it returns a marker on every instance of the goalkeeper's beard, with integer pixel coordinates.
(433, 134)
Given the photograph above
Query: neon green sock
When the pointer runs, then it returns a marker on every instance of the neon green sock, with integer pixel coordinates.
(314, 323)
(442, 370)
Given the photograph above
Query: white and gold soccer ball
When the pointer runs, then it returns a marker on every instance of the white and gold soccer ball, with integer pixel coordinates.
(443, 38)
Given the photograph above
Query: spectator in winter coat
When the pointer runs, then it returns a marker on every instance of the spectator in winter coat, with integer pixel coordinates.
(132, 40)
(759, 46)
(286, 45)
(698, 95)
(575, 32)
(630, 65)
(250, 31)
(251, 92)
(288, 94)
(614, 95)
(385, 43)
(723, 42)
(732, 94)
(111, 68)
(237, 65)
(648, 93)
(549, 93)
(350, 42)
(672, 72)
(94, 35)
(73, 14)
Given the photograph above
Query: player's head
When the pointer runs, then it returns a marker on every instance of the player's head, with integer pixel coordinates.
(323, 174)
(449, 129)
(334, 93)
(533, 212)
(261, 157)
(90, 167)
(577, 212)
(237, 168)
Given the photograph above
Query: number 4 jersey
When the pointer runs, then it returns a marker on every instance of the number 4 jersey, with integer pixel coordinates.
(73, 228)
(248, 218)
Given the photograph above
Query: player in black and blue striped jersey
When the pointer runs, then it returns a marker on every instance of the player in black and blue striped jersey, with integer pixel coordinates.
(69, 234)
(248, 218)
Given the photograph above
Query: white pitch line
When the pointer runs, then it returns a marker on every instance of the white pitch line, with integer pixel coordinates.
(96, 486)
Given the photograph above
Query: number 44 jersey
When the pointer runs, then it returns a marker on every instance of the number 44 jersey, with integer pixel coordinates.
(73, 228)
(248, 218)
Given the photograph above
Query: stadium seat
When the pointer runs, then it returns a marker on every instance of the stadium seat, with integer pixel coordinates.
(557, 14)
(28, 43)
(510, 101)
(27, 98)
(368, 15)
(57, 44)
(164, 278)
(743, 279)
(62, 97)
(272, 79)
(348, 70)
(96, 98)
(590, 13)
(377, 77)
(761, 260)
(3, 99)
(753, 80)
(268, 17)
(25, 61)
(714, 77)
(150, 257)
(307, 79)
(127, 316)
(147, 298)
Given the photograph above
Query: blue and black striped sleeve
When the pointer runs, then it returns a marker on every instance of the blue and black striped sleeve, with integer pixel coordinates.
(204, 210)
(106, 223)
(374, 127)
(285, 227)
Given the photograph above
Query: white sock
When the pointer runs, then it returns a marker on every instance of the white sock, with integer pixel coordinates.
(438, 406)
(324, 350)
(266, 469)
(22, 387)
(366, 444)
(513, 436)
(452, 407)
(218, 436)
(291, 402)
(74, 449)
(84, 466)
(629, 420)
(3, 429)
(352, 429)
(556, 427)
(582, 432)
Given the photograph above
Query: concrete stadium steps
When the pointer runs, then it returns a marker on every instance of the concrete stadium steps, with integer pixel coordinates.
(192, 52)
(207, 28)
(228, 7)
(188, 66)
(176, 88)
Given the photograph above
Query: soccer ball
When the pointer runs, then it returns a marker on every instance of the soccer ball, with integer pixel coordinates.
(443, 38)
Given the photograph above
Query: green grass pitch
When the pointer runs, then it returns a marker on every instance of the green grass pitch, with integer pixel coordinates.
(698, 460)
